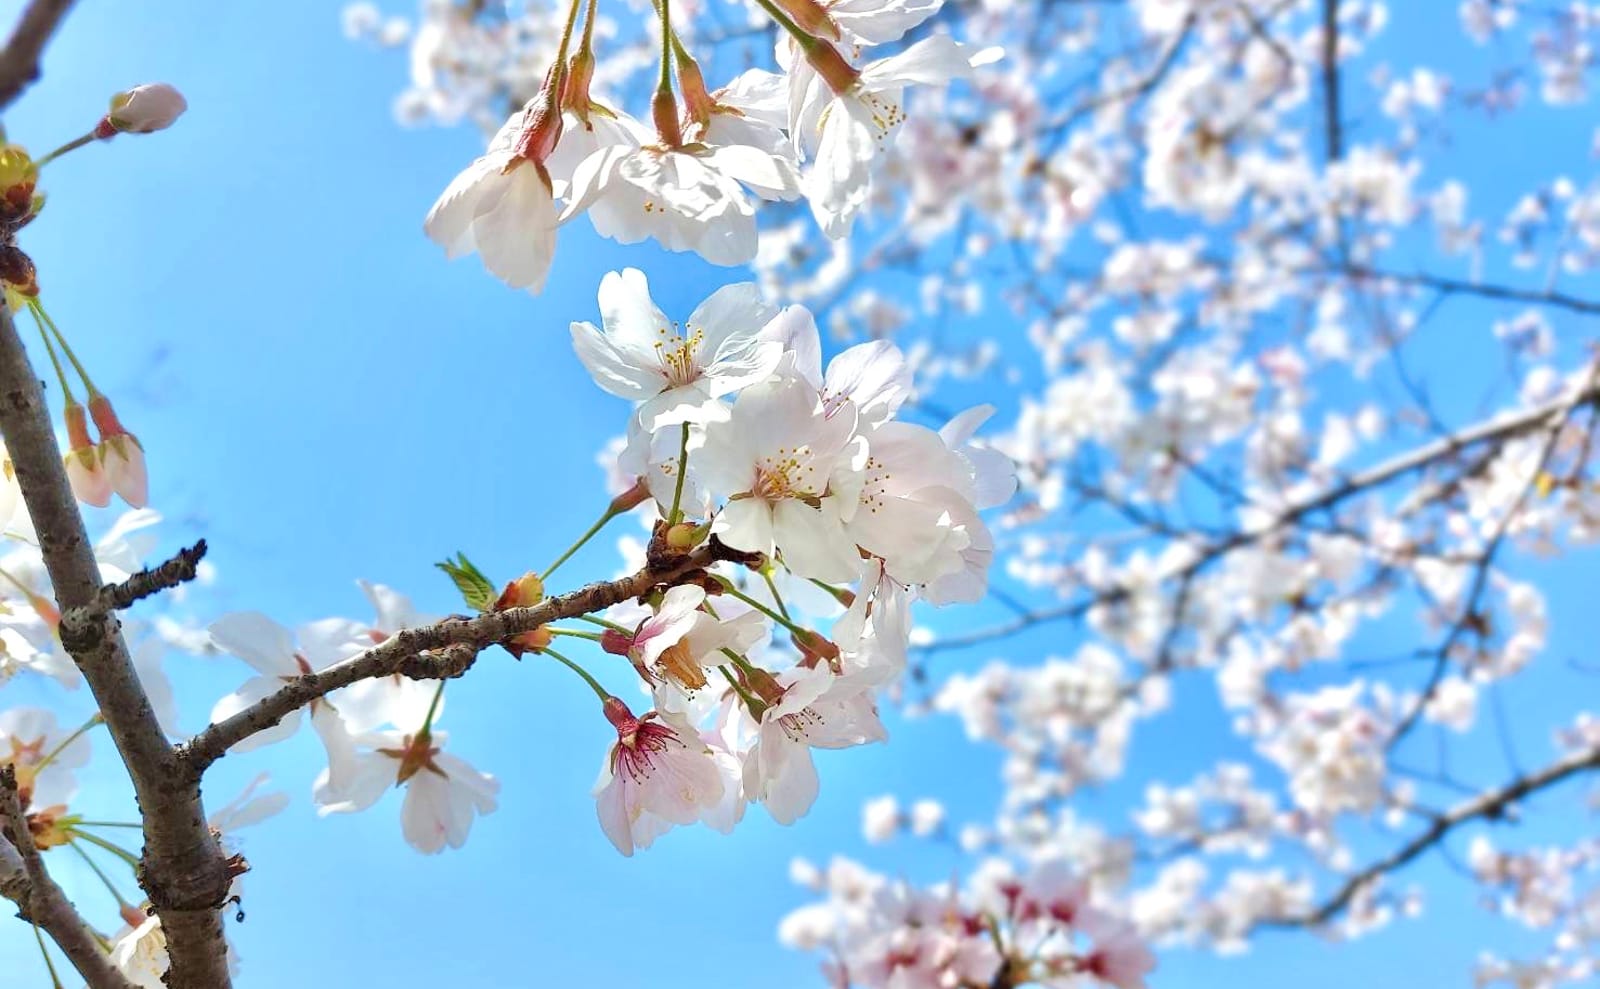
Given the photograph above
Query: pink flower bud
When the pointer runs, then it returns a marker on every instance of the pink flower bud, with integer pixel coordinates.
(616, 643)
(90, 482)
(87, 475)
(143, 109)
(121, 455)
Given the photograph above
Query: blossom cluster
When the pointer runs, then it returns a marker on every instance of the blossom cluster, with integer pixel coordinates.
(801, 475)
(692, 180)
(1040, 926)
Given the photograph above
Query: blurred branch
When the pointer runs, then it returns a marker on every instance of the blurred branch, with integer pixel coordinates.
(25, 882)
(1494, 805)
(1469, 617)
(1493, 430)
(19, 61)
(1333, 129)
(1452, 286)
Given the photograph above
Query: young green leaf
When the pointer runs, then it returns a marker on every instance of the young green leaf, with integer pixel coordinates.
(476, 589)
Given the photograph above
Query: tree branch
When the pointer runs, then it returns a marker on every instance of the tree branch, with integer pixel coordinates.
(19, 61)
(436, 651)
(1489, 806)
(1485, 562)
(1487, 290)
(183, 870)
(1332, 127)
(1489, 431)
(25, 881)
(81, 625)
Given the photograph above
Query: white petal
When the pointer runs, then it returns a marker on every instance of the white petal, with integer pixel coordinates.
(258, 640)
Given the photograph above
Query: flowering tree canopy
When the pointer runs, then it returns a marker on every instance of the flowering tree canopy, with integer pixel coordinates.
(1086, 374)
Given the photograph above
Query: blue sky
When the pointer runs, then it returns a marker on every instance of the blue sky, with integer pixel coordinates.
(323, 397)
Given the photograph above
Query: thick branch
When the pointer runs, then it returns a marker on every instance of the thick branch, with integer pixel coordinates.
(1493, 430)
(1489, 806)
(435, 651)
(25, 881)
(19, 62)
(183, 871)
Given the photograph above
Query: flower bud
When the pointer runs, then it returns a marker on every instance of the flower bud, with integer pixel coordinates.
(616, 643)
(90, 482)
(18, 177)
(121, 454)
(18, 276)
(686, 535)
(142, 110)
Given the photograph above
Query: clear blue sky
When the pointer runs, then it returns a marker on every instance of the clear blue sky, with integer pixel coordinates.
(324, 398)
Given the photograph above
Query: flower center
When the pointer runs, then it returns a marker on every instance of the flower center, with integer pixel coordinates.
(799, 724)
(677, 355)
(874, 489)
(886, 115)
(785, 475)
(677, 665)
(637, 744)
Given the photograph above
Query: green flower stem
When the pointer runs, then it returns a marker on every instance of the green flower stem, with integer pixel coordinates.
(94, 721)
(752, 602)
(433, 709)
(38, 311)
(55, 980)
(113, 848)
(676, 515)
(55, 362)
(766, 575)
(594, 684)
(94, 867)
(597, 620)
(71, 145)
(593, 530)
(575, 633)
